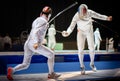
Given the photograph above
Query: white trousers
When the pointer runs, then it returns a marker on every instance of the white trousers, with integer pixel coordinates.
(28, 53)
(51, 44)
(97, 44)
(81, 37)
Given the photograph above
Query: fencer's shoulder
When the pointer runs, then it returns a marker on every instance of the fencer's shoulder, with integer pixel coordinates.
(76, 15)
(38, 20)
(90, 11)
(42, 19)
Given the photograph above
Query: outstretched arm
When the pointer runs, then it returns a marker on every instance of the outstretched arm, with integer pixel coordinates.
(100, 16)
(71, 27)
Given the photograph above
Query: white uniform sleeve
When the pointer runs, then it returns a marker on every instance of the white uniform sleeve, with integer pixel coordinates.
(37, 24)
(73, 24)
(97, 15)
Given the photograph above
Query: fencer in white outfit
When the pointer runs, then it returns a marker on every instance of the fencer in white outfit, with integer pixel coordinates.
(110, 44)
(34, 45)
(83, 19)
(97, 39)
(51, 37)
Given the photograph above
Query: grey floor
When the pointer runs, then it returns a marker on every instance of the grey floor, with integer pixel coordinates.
(68, 76)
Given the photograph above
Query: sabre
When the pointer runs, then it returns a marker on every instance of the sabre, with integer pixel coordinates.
(58, 31)
(63, 11)
(105, 27)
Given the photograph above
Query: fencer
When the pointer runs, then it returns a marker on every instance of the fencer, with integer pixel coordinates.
(83, 19)
(34, 45)
(51, 37)
(110, 44)
(97, 39)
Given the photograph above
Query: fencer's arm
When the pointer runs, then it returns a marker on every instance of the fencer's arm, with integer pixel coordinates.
(35, 46)
(71, 27)
(100, 16)
(35, 31)
(73, 23)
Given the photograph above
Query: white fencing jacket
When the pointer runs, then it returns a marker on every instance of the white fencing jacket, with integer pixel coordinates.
(84, 23)
(39, 28)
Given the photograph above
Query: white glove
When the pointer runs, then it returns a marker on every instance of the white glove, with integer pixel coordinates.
(65, 33)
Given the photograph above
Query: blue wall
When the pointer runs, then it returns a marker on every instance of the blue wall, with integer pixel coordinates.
(60, 59)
